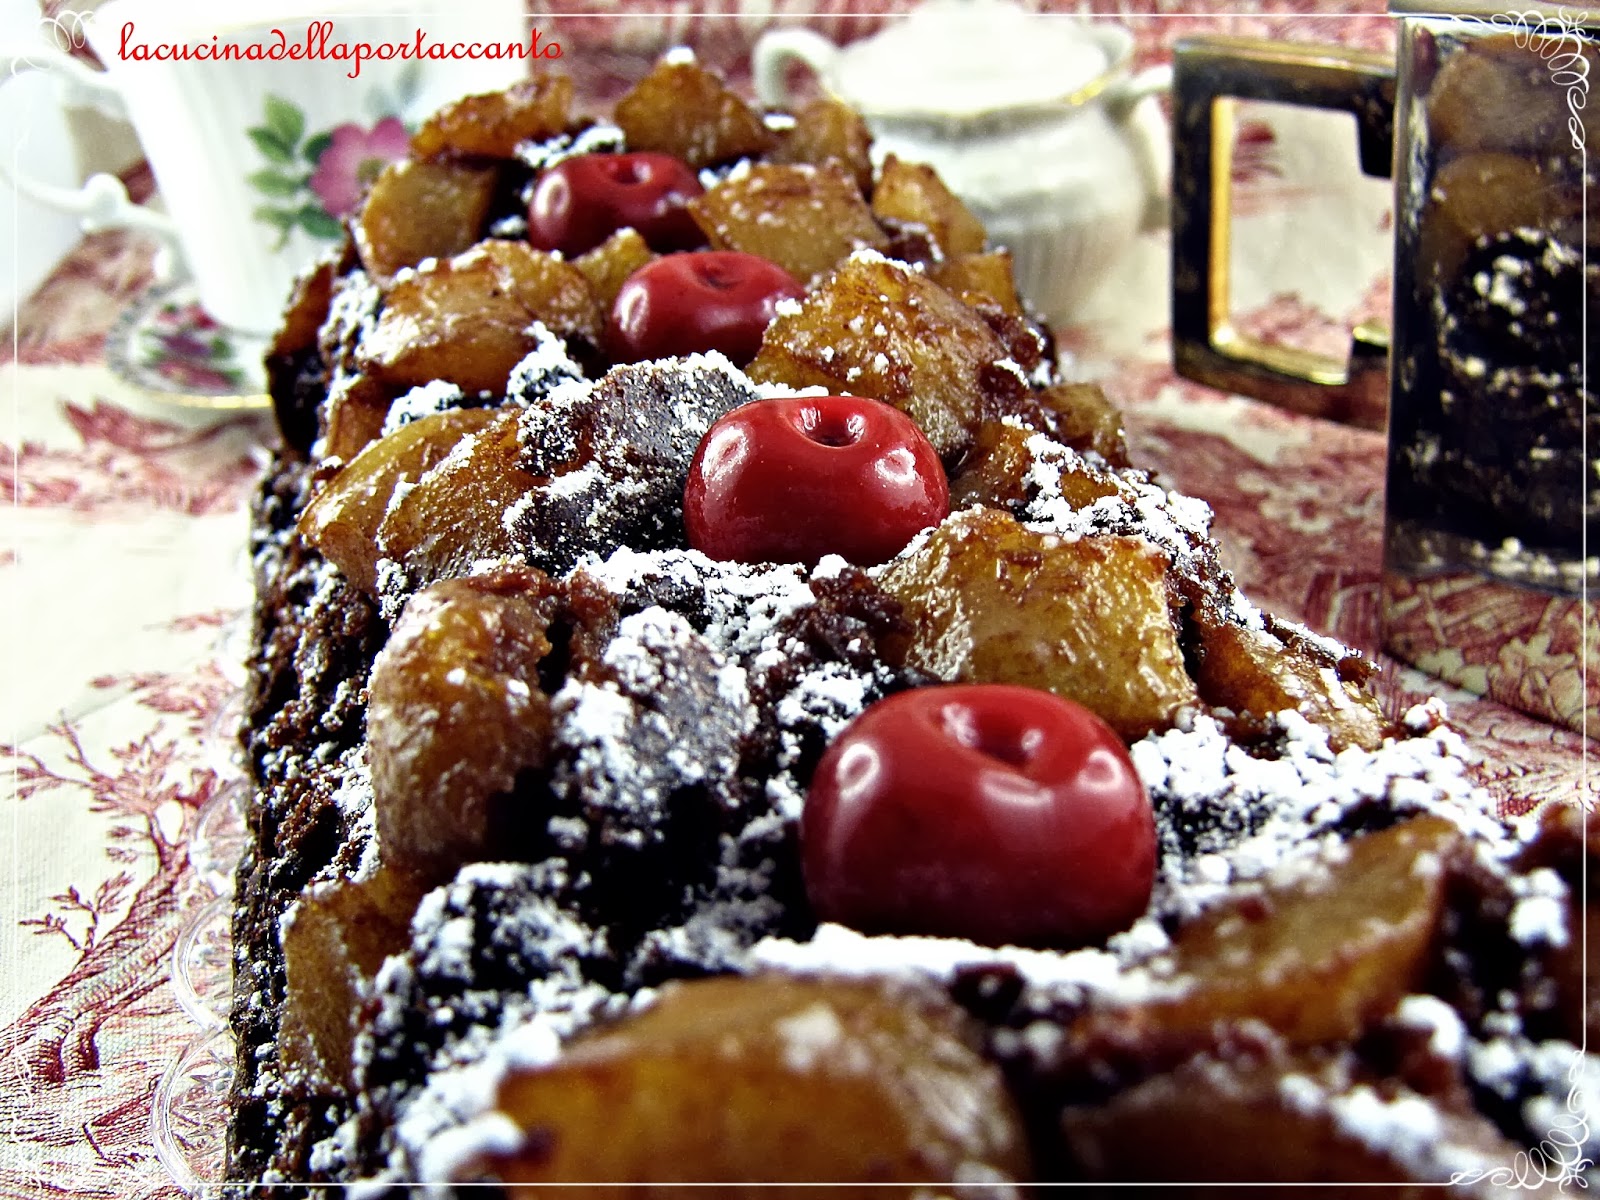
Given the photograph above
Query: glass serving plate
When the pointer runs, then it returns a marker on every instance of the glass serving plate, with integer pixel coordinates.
(189, 1112)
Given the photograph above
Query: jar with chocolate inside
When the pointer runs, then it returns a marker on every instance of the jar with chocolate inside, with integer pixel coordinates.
(1494, 447)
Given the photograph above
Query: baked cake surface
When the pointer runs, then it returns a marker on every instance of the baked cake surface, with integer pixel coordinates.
(525, 897)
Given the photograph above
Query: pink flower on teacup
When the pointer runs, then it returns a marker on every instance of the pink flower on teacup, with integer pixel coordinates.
(353, 159)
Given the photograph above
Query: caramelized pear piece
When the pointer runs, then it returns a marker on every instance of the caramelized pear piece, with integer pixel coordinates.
(335, 938)
(493, 124)
(342, 520)
(296, 380)
(1080, 416)
(455, 515)
(307, 310)
(1258, 672)
(829, 130)
(467, 319)
(419, 210)
(877, 328)
(455, 712)
(357, 410)
(979, 277)
(803, 218)
(609, 264)
(1317, 959)
(1276, 1118)
(684, 110)
(767, 1079)
(913, 194)
(990, 601)
(995, 473)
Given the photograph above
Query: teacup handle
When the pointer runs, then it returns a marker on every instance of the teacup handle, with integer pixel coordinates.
(1152, 144)
(773, 52)
(1209, 74)
(101, 202)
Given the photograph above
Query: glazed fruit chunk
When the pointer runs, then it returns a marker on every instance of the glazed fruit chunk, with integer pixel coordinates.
(794, 479)
(804, 218)
(878, 328)
(455, 712)
(342, 521)
(684, 110)
(419, 210)
(980, 278)
(335, 937)
(1318, 959)
(765, 1079)
(609, 264)
(986, 811)
(452, 518)
(493, 124)
(467, 319)
(1257, 672)
(827, 130)
(1079, 415)
(1274, 1117)
(990, 601)
(913, 194)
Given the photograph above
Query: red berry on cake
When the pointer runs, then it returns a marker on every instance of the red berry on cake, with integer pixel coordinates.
(1002, 814)
(583, 200)
(796, 478)
(690, 303)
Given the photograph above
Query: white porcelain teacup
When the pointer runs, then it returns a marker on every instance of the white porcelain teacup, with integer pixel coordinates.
(1034, 120)
(258, 156)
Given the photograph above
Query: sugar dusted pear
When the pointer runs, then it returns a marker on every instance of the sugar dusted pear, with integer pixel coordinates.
(682, 109)
(876, 328)
(455, 713)
(766, 1079)
(990, 601)
(1257, 672)
(467, 319)
(804, 218)
(913, 194)
(493, 124)
(344, 518)
(1227, 1118)
(829, 130)
(335, 938)
(455, 515)
(1316, 960)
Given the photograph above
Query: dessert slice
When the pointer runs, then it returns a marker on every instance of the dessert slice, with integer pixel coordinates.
(626, 813)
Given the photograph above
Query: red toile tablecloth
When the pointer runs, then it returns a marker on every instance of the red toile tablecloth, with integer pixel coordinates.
(128, 581)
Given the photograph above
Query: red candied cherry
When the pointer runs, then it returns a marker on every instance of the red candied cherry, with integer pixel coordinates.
(583, 200)
(992, 812)
(709, 300)
(798, 477)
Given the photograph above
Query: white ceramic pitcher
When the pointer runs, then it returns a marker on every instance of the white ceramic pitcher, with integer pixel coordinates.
(1033, 119)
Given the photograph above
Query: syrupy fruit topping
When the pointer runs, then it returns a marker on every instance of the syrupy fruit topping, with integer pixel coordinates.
(690, 303)
(1002, 814)
(583, 200)
(793, 479)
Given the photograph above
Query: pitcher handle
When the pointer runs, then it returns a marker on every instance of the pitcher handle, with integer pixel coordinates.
(1209, 74)
(1146, 131)
(773, 52)
(101, 202)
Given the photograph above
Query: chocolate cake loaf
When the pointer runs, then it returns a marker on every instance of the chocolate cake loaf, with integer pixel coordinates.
(723, 710)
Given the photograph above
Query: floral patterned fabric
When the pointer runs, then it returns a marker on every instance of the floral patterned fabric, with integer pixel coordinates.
(127, 560)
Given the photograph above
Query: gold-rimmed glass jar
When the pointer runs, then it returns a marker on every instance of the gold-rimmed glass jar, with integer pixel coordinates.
(1485, 122)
